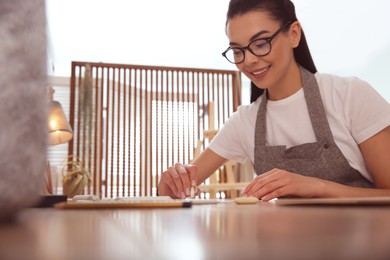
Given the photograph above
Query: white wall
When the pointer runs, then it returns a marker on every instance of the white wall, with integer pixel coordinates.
(346, 37)
(350, 38)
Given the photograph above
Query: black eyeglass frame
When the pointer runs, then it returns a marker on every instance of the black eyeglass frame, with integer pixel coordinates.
(267, 39)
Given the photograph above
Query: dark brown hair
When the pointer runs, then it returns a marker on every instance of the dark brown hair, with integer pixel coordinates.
(282, 11)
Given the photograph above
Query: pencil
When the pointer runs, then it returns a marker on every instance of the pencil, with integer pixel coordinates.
(119, 205)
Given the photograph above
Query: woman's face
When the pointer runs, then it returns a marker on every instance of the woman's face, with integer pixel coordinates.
(271, 69)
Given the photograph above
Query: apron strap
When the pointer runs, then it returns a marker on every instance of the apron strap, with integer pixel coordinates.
(315, 107)
(260, 129)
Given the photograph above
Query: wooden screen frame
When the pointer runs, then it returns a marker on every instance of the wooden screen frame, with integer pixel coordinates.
(173, 86)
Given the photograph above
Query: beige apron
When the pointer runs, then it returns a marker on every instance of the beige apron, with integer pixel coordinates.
(321, 159)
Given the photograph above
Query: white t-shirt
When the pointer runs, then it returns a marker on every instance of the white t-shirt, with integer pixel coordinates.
(355, 112)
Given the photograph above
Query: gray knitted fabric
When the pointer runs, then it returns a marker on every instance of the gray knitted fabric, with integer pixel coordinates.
(23, 103)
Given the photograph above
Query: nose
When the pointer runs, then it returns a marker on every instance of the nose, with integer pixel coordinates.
(250, 58)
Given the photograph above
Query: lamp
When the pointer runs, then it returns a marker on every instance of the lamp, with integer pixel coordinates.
(59, 128)
(59, 132)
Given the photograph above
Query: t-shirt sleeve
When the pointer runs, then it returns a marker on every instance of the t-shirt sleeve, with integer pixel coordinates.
(227, 143)
(367, 111)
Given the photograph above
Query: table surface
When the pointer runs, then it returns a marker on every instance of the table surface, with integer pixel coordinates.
(219, 231)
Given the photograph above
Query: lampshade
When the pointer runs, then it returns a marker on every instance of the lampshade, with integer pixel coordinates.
(59, 128)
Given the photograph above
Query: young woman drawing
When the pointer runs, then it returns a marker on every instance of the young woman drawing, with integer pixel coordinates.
(307, 134)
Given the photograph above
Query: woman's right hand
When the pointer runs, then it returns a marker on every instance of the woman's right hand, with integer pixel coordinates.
(177, 181)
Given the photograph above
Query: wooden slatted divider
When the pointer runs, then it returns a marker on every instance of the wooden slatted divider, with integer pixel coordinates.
(144, 119)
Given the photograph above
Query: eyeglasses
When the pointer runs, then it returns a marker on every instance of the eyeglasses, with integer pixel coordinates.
(259, 47)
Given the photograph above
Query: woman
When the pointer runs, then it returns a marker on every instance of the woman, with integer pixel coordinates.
(307, 134)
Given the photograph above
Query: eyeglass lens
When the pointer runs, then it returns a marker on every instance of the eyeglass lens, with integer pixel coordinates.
(260, 47)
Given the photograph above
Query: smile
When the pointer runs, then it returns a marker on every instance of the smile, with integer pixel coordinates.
(260, 72)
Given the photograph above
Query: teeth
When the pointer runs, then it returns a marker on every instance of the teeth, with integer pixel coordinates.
(261, 71)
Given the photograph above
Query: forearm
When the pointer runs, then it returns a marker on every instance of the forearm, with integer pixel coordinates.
(207, 162)
(336, 190)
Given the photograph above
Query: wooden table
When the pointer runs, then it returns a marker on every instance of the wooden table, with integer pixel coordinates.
(222, 231)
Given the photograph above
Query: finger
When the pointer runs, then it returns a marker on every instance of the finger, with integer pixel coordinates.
(193, 172)
(248, 187)
(259, 189)
(185, 179)
(258, 178)
(253, 187)
(266, 185)
(167, 186)
(177, 181)
(260, 181)
(282, 191)
(274, 188)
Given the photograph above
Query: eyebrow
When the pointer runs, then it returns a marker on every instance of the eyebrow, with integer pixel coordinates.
(254, 37)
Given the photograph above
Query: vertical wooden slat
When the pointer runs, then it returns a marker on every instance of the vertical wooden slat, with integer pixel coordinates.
(184, 112)
(150, 92)
(83, 143)
(112, 133)
(141, 134)
(146, 132)
(108, 189)
(157, 98)
(220, 93)
(123, 132)
(161, 124)
(187, 92)
(79, 134)
(72, 101)
(225, 101)
(116, 118)
(166, 109)
(182, 140)
(170, 117)
(195, 109)
(134, 132)
(236, 90)
(135, 147)
(200, 106)
(90, 126)
(91, 155)
(95, 87)
(98, 137)
(204, 100)
(176, 117)
(229, 101)
(130, 132)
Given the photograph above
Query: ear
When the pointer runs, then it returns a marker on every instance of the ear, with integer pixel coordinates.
(295, 34)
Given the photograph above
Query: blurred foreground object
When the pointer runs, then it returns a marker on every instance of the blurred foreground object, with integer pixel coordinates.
(23, 104)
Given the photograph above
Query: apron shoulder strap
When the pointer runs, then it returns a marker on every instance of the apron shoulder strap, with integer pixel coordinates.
(315, 106)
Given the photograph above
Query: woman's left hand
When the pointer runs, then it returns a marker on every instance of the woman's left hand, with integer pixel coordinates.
(277, 183)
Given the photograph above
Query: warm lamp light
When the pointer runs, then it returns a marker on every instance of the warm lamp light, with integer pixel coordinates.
(59, 128)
